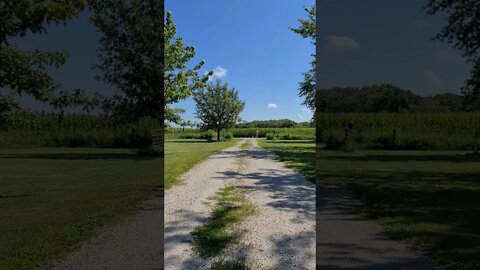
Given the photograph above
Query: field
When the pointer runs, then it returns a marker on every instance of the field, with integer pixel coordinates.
(35, 130)
(181, 155)
(429, 199)
(51, 199)
(449, 131)
(281, 133)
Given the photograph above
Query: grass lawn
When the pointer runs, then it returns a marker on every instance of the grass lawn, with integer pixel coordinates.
(428, 199)
(51, 199)
(298, 155)
(182, 155)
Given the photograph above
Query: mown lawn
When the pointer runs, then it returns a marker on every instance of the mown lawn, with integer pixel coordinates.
(52, 199)
(298, 155)
(182, 155)
(429, 199)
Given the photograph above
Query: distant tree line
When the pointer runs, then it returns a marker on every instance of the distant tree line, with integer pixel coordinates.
(385, 98)
(281, 123)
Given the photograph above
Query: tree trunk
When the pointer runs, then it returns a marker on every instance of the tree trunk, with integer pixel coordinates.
(218, 134)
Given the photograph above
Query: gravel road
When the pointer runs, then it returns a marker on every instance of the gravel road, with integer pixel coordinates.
(281, 235)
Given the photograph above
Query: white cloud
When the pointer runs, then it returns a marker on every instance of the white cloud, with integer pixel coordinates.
(341, 43)
(431, 77)
(218, 72)
(272, 106)
(301, 117)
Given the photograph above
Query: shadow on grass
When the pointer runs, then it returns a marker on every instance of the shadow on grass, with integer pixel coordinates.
(79, 156)
(460, 158)
(299, 158)
(436, 212)
(190, 141)
(290, 141)
(13, 196)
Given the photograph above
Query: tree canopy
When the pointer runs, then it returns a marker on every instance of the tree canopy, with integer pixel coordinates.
(218, 107)
(462, 32)
(384, 98)
(180, 81)
(22, 71)
(307, 29)
(131, 55)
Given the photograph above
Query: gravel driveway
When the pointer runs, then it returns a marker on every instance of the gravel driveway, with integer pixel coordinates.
(281, 235)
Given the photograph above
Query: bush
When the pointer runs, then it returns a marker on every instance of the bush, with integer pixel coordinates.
(227, 135)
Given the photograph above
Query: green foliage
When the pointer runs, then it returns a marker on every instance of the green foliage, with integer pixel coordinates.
(385, 98)
(283, 133)
(441, 131)
(281, 123)
(227, 135)
(66, 99)
(218, 107)
(180, 82)
(307, 29)
(26, 129)
(130, 56)
(228, 265)
(25, 71)
(462, 32)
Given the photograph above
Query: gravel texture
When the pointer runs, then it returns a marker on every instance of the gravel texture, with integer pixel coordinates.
(281, 234)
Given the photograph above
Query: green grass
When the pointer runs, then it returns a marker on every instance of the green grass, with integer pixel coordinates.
(281, 133)
(182, 155)
(245, 145)
(229, 265)
(429, 199)
(212, 237)
(53, 199)
(298, 155)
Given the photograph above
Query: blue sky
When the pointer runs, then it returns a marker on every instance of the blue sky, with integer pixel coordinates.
(362, 42)
(386, 41)
(249, 44)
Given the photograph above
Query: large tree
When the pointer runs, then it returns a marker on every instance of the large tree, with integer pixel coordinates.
(307, 29)
(218, 107)
(462, 32)
(131, 55)
(22, 71)
(180, 81)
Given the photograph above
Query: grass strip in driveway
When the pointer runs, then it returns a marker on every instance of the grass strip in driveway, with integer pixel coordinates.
(229, 265)
(231, 207)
